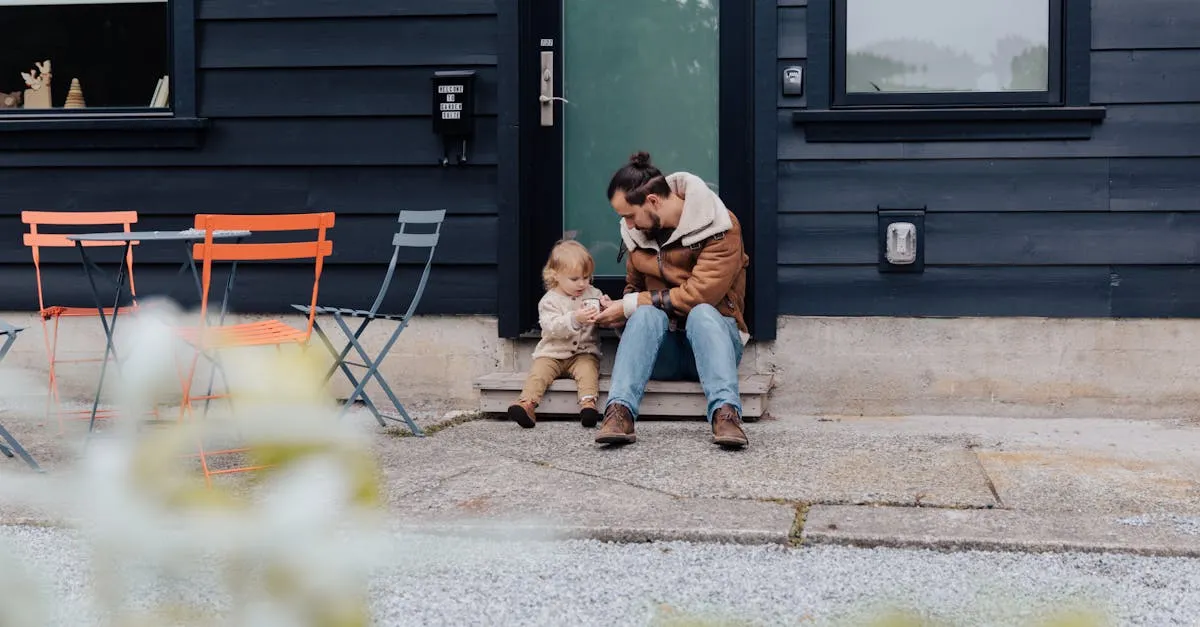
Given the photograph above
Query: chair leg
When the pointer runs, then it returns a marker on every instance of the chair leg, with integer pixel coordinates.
(340, 358)
(341, 363)
(373, 371)
(50, 339)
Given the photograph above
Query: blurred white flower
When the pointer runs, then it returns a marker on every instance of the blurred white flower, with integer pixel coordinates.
(292, 543)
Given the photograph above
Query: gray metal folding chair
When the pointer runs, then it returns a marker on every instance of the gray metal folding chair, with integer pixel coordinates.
(8, 335)
(402, 239)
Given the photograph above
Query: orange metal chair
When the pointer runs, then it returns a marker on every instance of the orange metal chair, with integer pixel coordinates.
(35, 239)
(207, 339)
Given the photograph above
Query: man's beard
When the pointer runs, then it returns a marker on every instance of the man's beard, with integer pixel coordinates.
(655, 229)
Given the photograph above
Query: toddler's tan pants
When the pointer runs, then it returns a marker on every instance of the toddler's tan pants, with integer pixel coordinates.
(584, 368)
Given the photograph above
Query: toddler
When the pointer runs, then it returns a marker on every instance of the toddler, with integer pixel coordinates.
(570, 342)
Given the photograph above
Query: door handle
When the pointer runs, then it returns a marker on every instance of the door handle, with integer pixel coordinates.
(546, 88)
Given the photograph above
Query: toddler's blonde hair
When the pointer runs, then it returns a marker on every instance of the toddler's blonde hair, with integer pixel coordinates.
(566, 256)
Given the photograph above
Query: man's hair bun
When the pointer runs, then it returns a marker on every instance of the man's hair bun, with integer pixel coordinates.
(640, 160)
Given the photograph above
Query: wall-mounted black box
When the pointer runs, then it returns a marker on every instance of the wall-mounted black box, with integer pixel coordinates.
(454, 103)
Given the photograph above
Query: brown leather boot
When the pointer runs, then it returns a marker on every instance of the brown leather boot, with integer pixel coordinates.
(588, 416)
(617, 427)
(727, 428)
(522, 412)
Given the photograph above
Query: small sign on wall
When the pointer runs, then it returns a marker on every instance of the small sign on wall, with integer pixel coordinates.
(454, 103)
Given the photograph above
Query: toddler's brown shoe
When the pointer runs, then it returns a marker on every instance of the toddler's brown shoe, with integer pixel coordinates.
(588, 415)
(522, 412)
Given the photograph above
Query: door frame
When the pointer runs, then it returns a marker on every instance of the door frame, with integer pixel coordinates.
(747, 185)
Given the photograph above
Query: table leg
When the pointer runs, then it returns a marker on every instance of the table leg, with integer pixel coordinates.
(16, 446)
(109, 330)
(221, 320)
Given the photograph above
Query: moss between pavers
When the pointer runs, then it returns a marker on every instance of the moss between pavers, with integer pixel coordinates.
(796, 535)
(462, 419)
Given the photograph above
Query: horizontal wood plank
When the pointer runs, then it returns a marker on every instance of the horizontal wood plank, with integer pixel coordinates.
(1145, 76)
(269, 287)
(266, 9)
(656, 404)
(828, 238)
(1155, 184)
(793, 3)
(289, 141)
(944, 185)
(358, 239)
(514, 381)
(350, 42)
(793, 32)
(1014, 291)
(1063, 238)
(1166, 130)
(1002, 239)
(191, 190)
(1156, 292)
(1145, 24)
(333, 92)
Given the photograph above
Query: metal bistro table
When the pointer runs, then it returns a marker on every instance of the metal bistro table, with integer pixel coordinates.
(8, 335)
(186, 237)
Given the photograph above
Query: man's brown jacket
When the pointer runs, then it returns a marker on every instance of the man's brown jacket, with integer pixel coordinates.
(703, 261)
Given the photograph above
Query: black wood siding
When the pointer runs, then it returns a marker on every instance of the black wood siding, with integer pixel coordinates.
(316, 105)
(1099, 228)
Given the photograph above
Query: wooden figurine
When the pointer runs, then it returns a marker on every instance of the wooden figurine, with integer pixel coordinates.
(74, 96)
(38, 80)
(11, 100)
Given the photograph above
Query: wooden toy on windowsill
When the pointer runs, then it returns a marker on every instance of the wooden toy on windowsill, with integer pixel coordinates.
(38, 80)
(75, 96)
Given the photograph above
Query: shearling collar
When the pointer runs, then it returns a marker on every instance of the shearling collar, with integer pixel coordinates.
(704, 215)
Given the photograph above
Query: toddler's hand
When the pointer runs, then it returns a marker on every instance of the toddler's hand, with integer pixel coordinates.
(584, 315)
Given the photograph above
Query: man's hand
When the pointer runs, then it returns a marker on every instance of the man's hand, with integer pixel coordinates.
(612, 316)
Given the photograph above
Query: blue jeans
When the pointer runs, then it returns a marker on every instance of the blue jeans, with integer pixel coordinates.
(708, 351)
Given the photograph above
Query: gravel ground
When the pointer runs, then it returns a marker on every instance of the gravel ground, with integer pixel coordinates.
(443, 581)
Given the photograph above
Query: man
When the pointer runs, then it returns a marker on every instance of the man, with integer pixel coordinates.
(685, 288)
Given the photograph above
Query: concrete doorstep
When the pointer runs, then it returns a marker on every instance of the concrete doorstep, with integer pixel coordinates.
(944, 483)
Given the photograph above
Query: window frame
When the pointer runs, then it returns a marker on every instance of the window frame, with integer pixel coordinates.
(1053, 96)
(176, 126)
(827, 120)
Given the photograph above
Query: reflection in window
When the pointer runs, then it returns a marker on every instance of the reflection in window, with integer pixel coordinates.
(83, 54)
(638, 75)
(947, 46)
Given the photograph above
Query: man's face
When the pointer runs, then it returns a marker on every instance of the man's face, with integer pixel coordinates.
(643, 217)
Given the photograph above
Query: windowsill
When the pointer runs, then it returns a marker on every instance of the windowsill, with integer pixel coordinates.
(948, 124)
(99, 131)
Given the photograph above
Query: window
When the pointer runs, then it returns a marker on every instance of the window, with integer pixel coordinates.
(927, 70)
(948, 52)
(104, 55)
(81, 73)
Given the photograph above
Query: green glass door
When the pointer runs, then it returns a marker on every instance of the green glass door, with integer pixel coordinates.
(636, 75)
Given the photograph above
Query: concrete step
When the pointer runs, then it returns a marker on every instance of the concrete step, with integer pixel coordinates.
(663, 398)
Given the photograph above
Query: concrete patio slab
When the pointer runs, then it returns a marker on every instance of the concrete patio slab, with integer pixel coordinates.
(517, 495)
(913, 527)
(1082, 481)
(789, 460)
